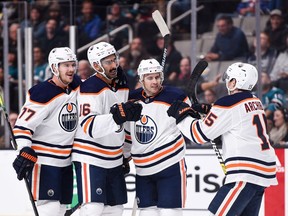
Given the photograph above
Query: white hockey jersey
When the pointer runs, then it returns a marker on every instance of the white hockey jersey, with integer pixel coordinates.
(48, 121)
(241, 121)
(155, 141)
(99, 140)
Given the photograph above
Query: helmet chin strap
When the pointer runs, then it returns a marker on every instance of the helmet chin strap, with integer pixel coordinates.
(57, 74)
(230, 90)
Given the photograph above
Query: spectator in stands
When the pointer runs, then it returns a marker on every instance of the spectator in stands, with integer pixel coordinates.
(268, 54)
(54, 12)
(116, 18)
(89, 24)
(13, 35)
(41, 67)
(35, 21)
(272, 97)
(133, 56)
(184, 76)
(131, 74)
(230, 42)
(84, 69)
(210, 96)
(147, 30)
(277, 30)
(51, 39)
(279, 74)
(278, 134)
(247, 7)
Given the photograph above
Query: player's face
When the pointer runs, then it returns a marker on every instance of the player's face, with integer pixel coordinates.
(152, 84)
(67, 71)
(110, 64)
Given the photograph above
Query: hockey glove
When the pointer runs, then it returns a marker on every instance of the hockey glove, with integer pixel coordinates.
(120, 80)
(24, 162)
(126, 166)
(180, 110)
(201, 108)
(128, 111)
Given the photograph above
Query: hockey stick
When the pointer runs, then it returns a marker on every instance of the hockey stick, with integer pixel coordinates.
(72, 210)
(191, 90)
(14, 145)
(163, 28)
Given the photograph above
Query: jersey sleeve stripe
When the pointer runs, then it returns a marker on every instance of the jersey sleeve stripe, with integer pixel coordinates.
(25, 132)
(195, 133)
(86, 124)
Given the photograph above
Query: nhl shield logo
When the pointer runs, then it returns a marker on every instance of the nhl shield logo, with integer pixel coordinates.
(68, 117)
(145, 130)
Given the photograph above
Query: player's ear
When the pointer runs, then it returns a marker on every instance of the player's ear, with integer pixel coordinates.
(96, 67)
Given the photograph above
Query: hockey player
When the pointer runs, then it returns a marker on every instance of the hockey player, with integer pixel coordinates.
(97, 150)
(250, 160)
(157, 145)
(44, 132)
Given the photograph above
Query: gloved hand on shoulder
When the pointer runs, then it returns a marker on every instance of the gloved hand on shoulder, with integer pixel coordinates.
(128, 111)
(24, 162)
(180, 110)
(201, 107)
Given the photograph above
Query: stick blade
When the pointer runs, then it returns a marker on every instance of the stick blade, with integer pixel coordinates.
(196, 73)
(158, 19)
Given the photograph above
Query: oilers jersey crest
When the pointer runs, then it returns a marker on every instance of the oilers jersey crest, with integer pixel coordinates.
(154, 141)
(55, 113)
(145, 130)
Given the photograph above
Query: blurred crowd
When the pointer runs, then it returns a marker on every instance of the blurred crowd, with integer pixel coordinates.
(51, 19)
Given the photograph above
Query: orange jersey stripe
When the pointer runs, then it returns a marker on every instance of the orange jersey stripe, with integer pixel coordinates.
(51, 150)
(196, 134)
(273, 169)
(94, 149)
(87, 123)
(167, 151)
(16, 132)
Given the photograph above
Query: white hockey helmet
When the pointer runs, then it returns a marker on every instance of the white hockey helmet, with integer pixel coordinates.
(149, 66)
(99, 51)
(246, 76)
(58, 55)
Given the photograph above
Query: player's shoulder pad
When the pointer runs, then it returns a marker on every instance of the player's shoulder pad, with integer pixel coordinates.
(135, 94)
(170, 94)
(230, 100)
(44, 92)
(92, 85)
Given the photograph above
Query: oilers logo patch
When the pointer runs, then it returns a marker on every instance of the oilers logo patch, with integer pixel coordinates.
(68, 117)
(145, 130)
